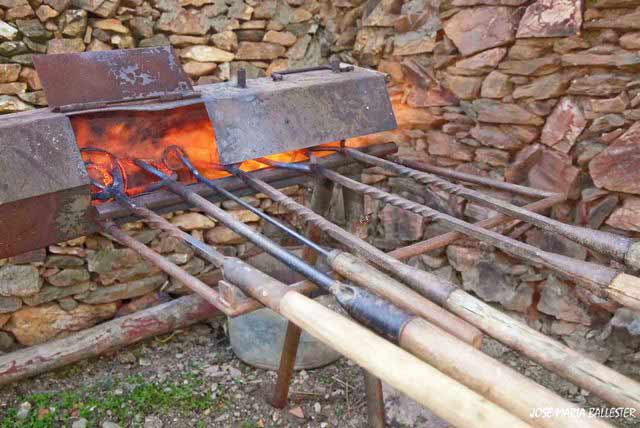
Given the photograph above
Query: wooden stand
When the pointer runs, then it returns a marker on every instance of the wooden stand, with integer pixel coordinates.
(320, 200)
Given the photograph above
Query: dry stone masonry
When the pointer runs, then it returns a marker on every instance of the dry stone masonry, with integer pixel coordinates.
(543, 93)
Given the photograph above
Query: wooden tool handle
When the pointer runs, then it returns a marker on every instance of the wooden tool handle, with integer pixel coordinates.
(490, 378)
(447, 398)
(625, 289)
(383, 285)
(603, 381)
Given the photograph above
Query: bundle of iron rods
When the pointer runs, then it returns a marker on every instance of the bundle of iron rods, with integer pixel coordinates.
(430, 330)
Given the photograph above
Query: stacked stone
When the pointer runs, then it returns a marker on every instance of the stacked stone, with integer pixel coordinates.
(213, 38)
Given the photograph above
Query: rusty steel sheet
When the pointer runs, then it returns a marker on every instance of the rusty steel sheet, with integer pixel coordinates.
(301, 110)
(91, 79)
(39, 156)
(44, 188)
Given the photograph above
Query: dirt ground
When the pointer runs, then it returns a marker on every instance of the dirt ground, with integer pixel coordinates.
(192, 379)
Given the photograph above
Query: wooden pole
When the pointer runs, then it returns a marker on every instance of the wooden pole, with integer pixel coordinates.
(368, 277)
(606, 383)
(105, 337)
(447, 398)
(597, 378)
(490, 378)
(596, 278)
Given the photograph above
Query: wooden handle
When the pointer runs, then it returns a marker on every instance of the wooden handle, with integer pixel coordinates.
(445, 397)
(383, 285)
(498, 383)
(625, 289)
(604, 382)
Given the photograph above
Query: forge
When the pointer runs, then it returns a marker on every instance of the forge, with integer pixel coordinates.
(127, 137)
(45, 152)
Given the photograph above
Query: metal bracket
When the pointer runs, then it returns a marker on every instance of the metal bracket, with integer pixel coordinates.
(334, 67)
(230, 295)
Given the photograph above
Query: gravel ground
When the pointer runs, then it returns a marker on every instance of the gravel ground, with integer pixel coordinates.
(188, 379)
(192, 379)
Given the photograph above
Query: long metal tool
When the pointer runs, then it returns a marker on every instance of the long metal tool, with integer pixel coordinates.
(371, 352)
(371, 279)
(588, 374)
(617, 246)
(441, 241)
(378, 314)
(603, 281)
(383, 317)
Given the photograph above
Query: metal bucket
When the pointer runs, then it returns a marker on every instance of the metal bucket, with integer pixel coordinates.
(257, 338)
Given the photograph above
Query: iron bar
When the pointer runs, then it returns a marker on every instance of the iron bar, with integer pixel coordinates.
(447, 238)
(616, 246)
(184, 159)
(202, 289)
(280, 394)
(368, 277)
(375, 400)
(203, 250)
(476, 179)
(558, 358)
(167, 201)
(383, 317)
(601, 280)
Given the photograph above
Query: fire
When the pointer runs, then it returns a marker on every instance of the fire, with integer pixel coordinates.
(145, 135)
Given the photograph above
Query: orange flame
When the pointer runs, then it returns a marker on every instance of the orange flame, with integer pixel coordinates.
(145, 135)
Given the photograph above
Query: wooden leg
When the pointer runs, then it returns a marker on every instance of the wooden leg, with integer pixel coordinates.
(319, 202)
(375, 400)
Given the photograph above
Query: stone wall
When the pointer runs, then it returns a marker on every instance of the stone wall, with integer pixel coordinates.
(536, 92)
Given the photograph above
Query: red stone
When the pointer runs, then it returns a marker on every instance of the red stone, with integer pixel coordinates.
(617, 168)
(553, 172)
(626, 217)
(479, 28)
(564, 125)
(433, 97)
(551, 18)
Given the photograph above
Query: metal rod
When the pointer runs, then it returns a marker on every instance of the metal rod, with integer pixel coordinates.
(447, 238)
(556, 357)
(383, 317)
(370, 278)
(202, 289)
(375, 400)
(182, 156)
(167, 201)
(203, 250)
(600, 280)
(321, 197)
(613, 245)
(475, 179)
(290, 345)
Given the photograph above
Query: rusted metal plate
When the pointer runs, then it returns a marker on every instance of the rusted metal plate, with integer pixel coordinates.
(90, 78)
(43, 220)
(44, 188)
(39, 155)
(302, 110)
